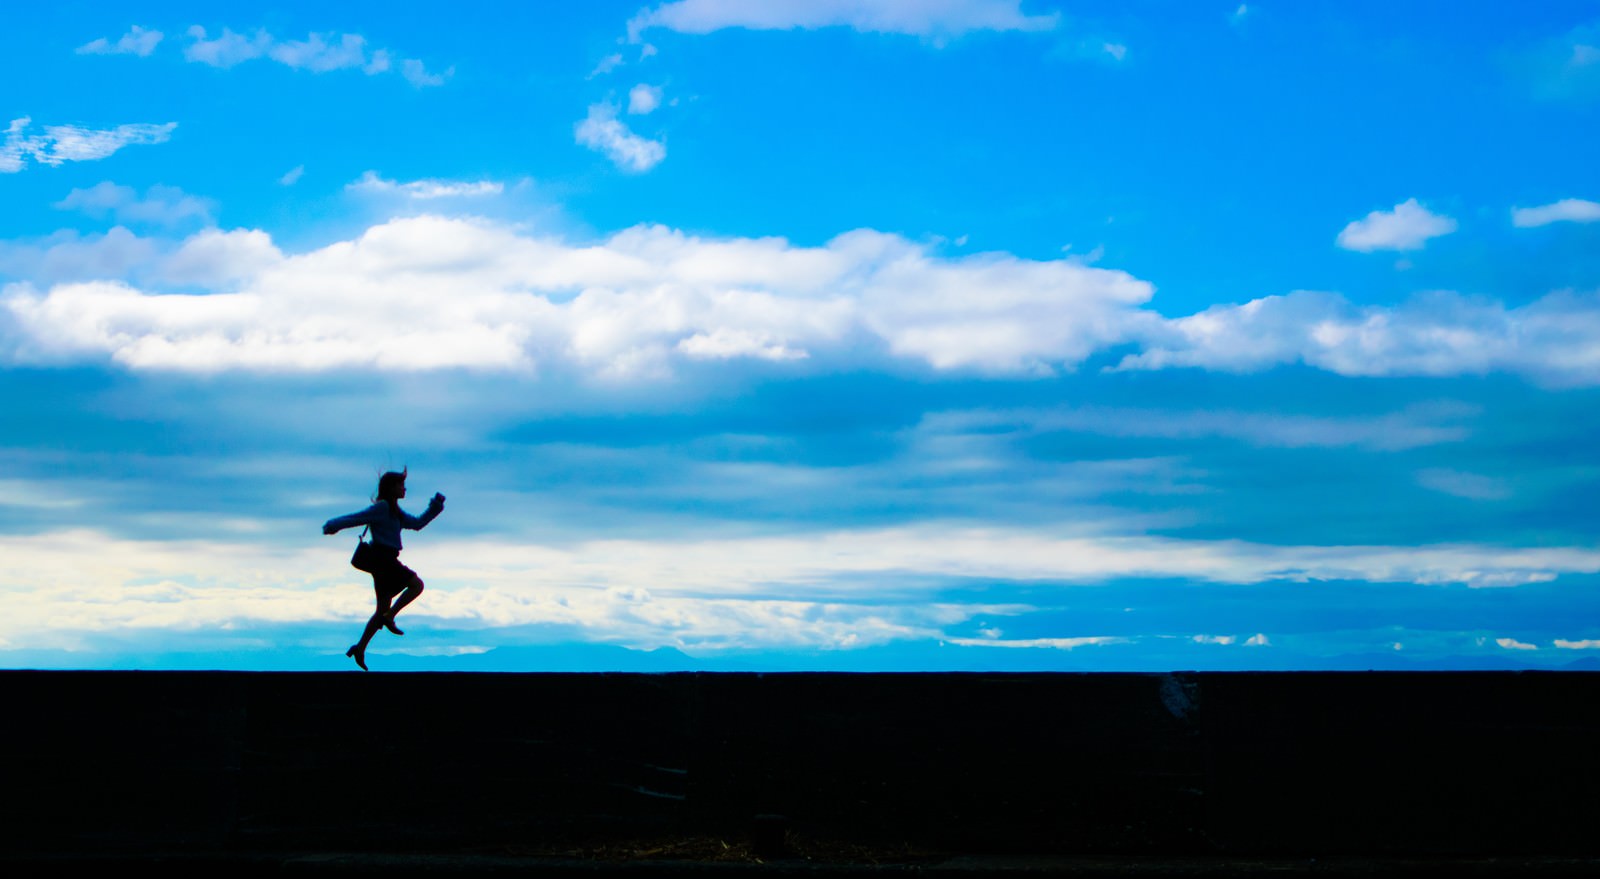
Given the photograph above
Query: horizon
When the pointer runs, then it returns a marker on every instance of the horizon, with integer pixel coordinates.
(878, 335)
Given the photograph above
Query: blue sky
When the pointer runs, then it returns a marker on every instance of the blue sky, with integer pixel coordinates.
(828, 335)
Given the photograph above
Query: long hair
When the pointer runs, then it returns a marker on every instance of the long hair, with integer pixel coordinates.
(389, 485)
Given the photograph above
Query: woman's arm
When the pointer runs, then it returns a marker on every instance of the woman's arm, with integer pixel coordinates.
(339, 523)
(416, 523)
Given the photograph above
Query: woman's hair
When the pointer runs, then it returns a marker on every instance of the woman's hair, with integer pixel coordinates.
(389, 485)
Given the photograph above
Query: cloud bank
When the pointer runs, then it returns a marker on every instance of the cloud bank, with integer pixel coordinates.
(781, 591)
(432, 292)
(1432, 334)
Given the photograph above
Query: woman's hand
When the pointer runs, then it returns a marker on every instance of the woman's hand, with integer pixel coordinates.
(327, 528)
(437, 502)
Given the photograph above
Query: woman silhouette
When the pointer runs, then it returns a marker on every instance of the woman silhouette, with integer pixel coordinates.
(389, 578)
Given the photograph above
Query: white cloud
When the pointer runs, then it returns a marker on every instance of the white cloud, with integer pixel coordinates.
(602, 132)
(781, 590)
(1514, 644)
(1407, 227)
(318, 53)
(214, 258)
(211, 258)
(482, 295)
(1215, 639)
(71, 143)
(938, 20)
(226, 50)
(1552, 339)
(643, 98)
(1568, 210)
(67, 256)
(606, 65)
(292, 176)
(138, 41)
(1589, 644)
(1036, 643)
(371, 183)
(1259, 639)
(1116, 50)
(160, 204)
(417, 74)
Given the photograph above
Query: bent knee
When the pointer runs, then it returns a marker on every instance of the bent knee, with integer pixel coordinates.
(416, 584)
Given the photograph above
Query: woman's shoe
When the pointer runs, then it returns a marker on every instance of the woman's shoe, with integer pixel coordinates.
(360, 656)
(389, 624)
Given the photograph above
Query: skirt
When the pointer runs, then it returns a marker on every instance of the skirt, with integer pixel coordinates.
(390, 577)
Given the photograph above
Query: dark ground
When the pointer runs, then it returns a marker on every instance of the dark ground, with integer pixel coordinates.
(1286, 774)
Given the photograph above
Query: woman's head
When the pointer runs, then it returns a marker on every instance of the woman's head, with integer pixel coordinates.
(392, 485)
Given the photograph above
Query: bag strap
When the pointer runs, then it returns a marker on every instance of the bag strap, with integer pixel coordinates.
(363, 537)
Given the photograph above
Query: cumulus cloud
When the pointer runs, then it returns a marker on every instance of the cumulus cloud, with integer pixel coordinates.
(211, 258)
(643, 98)
(602, 132)
(1434, 334)
(1407, 227)
(939, 20)
(641, 303)
(166, 205)
(318, 53)
(68, 256)
(71, 143)
(1567, 210)
(214, 258)
(1514, 644)
(371, 183)
(138, 41)
(429, 292)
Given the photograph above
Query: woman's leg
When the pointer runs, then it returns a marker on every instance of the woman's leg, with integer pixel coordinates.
(358, 651)
(409, 595)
